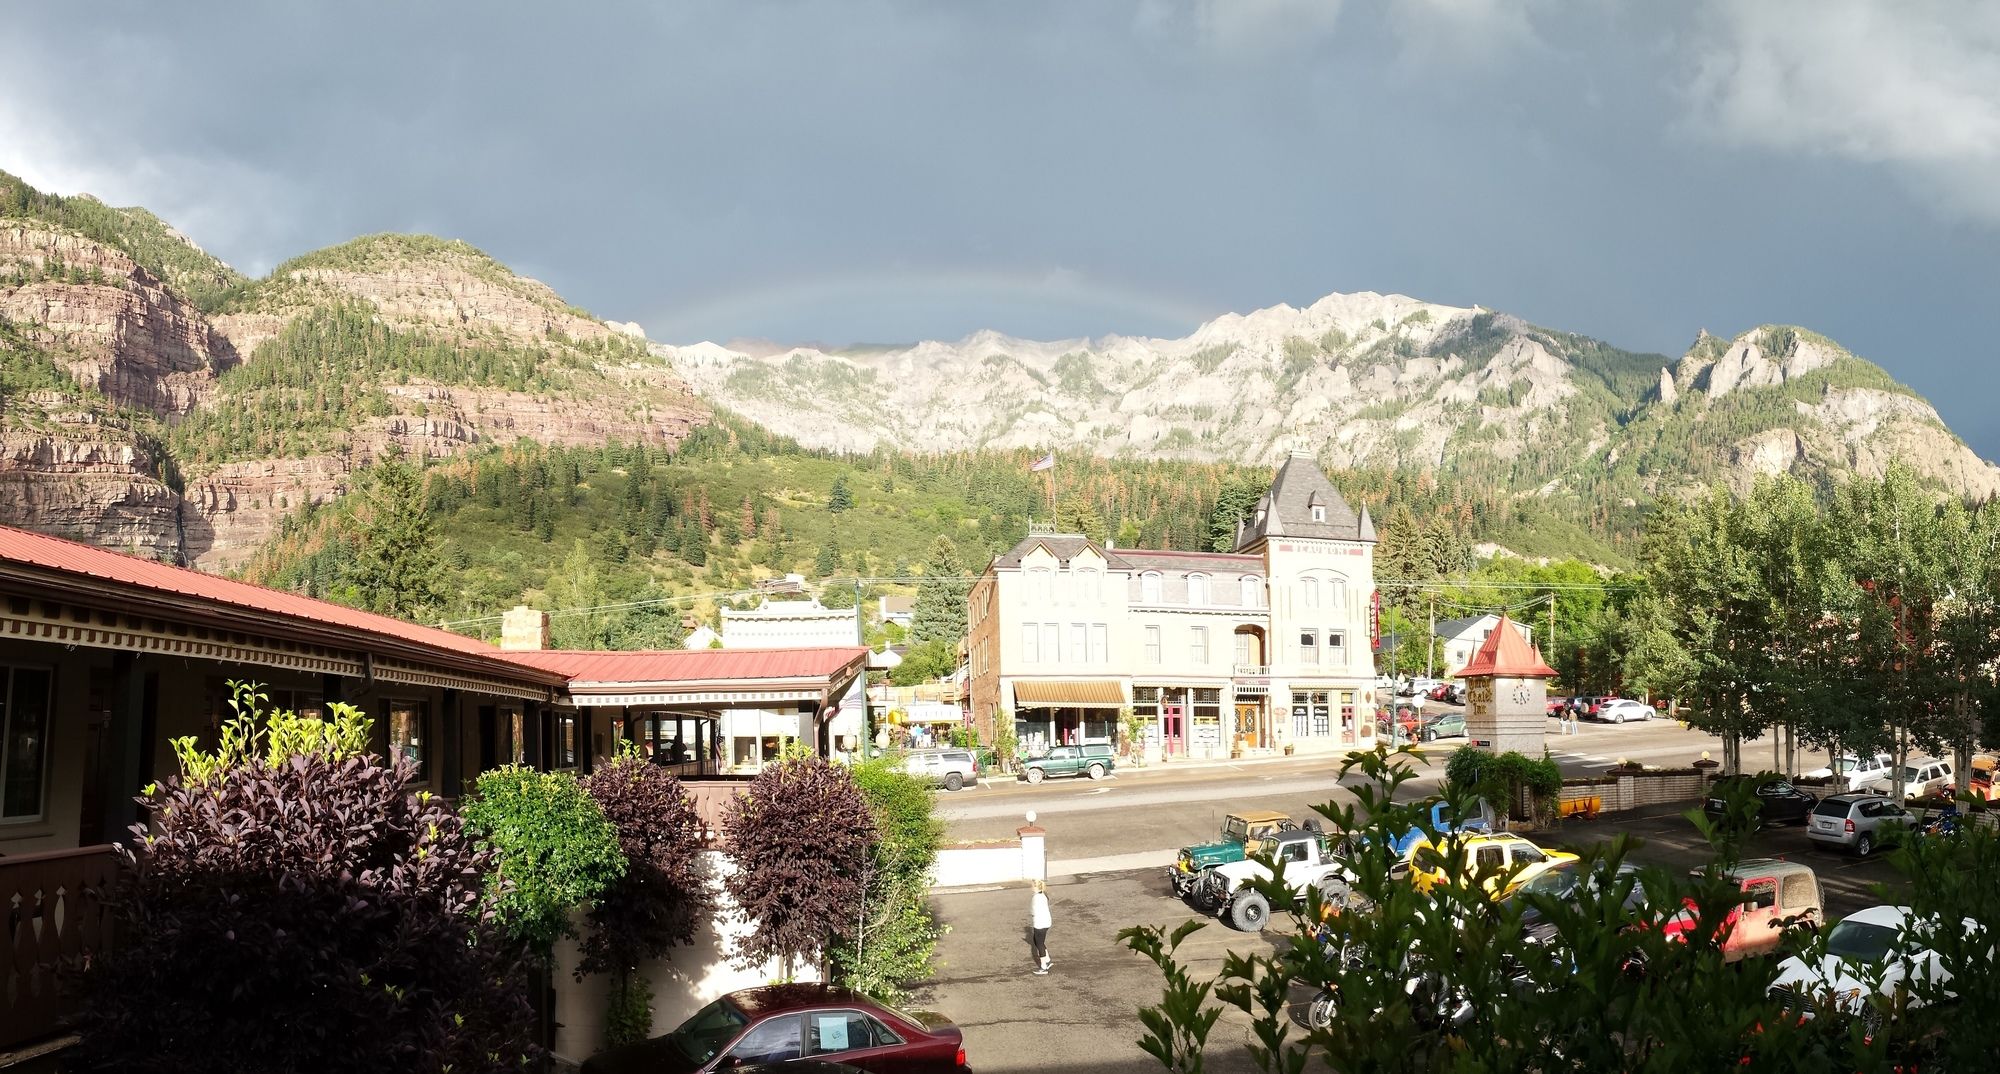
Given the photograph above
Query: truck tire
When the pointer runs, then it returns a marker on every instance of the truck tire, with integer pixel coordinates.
(1249, 912)
(1035, 775)
(953, 781)
(1096, 771)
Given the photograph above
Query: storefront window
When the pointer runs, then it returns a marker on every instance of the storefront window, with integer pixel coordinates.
(565, 740)
(1311, 714)
(1207, 718)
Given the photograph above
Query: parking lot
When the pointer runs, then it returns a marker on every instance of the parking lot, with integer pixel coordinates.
(1083, 1016)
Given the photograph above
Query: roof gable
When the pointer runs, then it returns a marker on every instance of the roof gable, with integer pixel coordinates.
(1287, 508)
(1506, 654)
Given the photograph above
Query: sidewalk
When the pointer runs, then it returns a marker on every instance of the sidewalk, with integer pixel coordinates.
(1334, 755)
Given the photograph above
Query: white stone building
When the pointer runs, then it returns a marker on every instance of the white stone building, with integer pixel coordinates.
(1264, 648)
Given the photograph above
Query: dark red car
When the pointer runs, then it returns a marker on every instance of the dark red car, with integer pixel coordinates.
(782, 1023)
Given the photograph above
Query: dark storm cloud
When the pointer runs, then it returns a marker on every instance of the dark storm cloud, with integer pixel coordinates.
(886, 171)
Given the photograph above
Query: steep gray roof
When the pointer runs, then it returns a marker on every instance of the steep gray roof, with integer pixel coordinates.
(1286, 510)
(1231, 562)
(1063, 546)
(1452, 628)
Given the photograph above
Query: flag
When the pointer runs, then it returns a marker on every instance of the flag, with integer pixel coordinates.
(1046, 462)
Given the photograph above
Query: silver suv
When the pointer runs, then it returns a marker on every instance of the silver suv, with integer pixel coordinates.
(1857, 822)
(947, 768)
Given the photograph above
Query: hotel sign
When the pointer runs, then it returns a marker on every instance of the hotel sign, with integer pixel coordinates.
(1329, 548)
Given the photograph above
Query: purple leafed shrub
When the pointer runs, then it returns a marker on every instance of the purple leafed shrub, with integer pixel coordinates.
(304, 913)
(663, 896)
(800, 837)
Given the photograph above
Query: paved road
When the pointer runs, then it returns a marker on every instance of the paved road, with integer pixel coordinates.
(1083, 1016)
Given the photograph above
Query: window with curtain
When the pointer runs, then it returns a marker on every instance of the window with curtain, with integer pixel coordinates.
(1336, 647)
(1308, 647)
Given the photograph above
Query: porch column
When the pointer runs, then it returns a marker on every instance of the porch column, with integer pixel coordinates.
(124, 734)
(451, 744)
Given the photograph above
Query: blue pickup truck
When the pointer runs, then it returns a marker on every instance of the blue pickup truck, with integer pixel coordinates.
(1401, 846)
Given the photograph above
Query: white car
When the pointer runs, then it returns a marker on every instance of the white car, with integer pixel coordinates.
(1853, 772)
(1877, 952)
(1921, 779)
(1620, 710)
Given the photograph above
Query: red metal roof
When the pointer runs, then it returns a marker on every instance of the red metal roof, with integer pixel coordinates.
(693, 665)
(69, 557)
(1506, 653)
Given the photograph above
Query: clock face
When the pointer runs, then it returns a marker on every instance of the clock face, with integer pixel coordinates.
(1521, 693)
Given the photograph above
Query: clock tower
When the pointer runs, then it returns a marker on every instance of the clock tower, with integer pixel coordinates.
(1506, 693)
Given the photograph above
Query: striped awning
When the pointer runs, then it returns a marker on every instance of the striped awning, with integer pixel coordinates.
(1085, 693)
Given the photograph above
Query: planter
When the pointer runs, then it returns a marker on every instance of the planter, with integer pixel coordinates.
(1288, 749)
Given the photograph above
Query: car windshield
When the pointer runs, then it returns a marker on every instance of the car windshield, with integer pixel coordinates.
(703, 1035)
(1556, 883)
(1858, 941)
(1909, 774)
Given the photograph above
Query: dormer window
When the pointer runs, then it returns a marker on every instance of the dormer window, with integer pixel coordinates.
(1197, 589)
(1319, 513)
(1252, 590)
(1149, 587)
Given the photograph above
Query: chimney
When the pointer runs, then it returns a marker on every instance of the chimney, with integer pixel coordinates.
(524, 628)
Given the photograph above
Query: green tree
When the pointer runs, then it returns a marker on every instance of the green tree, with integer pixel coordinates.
(895, 939)
(925, 662)
(557, 851)
(838, 498)
(396, 570)
(940, 613)
(1076, 514)
(1233, 504)
(827, 563)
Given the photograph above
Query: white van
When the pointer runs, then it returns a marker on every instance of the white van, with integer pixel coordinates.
(1853, 773)
(1921, 779)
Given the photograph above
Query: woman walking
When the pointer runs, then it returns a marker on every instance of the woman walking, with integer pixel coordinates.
(1039, 921)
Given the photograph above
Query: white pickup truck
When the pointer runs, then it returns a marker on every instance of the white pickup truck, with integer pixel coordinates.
(1307, 858)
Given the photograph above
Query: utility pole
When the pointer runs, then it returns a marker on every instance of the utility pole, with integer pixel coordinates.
(1431, 640)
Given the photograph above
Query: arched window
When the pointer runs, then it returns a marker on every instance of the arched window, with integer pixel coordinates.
(1197, 589)
(1039, 582)
(1337, 593)
(1149, 587)
(1252, 591)
(1309, 592)
(1086, 585)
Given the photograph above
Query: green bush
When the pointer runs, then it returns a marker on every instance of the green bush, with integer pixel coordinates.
(897, 937)
(557, 852)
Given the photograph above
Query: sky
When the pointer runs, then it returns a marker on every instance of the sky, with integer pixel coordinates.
(887, 171)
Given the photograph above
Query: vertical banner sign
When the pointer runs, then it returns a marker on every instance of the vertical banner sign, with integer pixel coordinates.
(1375, 618)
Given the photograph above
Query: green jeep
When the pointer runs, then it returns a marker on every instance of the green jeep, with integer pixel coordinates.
(1237, 830)
(1093, 760)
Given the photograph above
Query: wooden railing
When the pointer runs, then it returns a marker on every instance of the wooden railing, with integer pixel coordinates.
(711, 796)
(53, 908)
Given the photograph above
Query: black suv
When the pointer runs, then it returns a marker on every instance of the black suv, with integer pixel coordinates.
(1778, 802)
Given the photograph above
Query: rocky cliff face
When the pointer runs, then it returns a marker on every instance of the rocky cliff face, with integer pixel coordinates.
(129, 359)
(1366, 381)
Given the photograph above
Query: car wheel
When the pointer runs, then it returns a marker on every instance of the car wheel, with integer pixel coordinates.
(953, 781)
(1249, 912)
(1865, 845)
(1035, 775)
(1097, 771)
(1430, 736)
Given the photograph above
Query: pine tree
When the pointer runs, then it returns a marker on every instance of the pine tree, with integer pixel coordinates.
(828, 561)
(839, 499)
(940, 612)
(397, 572)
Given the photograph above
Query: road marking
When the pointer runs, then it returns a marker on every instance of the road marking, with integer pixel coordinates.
(1102, 790)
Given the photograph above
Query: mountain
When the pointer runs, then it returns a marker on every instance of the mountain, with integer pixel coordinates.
(156, 400)
(1367, 381)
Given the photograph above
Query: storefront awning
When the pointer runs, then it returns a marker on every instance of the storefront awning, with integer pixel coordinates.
(1085, 693)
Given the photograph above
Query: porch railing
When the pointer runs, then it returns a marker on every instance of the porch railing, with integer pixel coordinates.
(711, 795)
(53, 908)
(1253, 671)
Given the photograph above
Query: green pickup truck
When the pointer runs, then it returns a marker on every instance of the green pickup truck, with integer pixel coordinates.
(1093, 760)
(1238, 829)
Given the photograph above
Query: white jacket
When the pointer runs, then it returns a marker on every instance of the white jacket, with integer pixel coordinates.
(1038, 909)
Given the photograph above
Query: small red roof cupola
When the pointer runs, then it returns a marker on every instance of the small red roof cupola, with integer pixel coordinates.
(1506, 654)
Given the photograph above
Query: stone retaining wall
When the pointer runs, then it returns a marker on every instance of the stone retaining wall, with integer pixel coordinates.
(1632, 790)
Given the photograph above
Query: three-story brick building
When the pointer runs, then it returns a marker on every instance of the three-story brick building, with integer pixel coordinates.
(1262, 648)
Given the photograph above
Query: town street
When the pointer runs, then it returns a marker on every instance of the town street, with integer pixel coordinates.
(1109, 842)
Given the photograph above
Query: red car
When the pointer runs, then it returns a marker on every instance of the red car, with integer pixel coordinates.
(782, 1023)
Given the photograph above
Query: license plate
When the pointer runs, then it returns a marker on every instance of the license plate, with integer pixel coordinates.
(1715, 803)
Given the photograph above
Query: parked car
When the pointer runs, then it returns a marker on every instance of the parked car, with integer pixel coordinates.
(1238, 831)
(947, 768)
(1499, 862)
(1776, 895)
(1778, 802)
(1565, 881)
(1410, 720)
(1557, 706)
(1857, 822)
(1443, 725)
(1306, 859)
(1419, 685)
(1880, 951)
(1852, 773)
(1092, 759)
(783, 1023)
(1620, 710)
(1921, 779)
